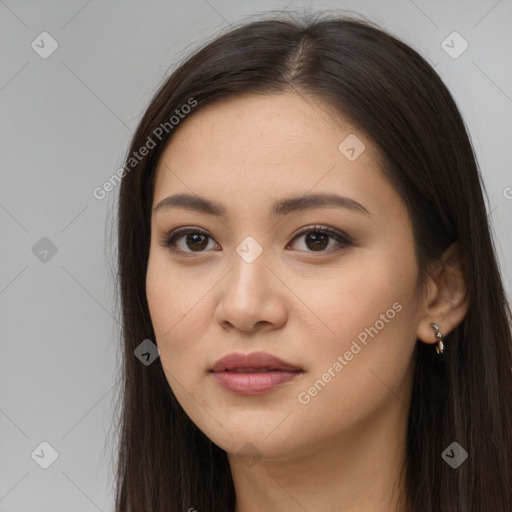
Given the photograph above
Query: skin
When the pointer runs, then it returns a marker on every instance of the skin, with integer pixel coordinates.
(343, 450)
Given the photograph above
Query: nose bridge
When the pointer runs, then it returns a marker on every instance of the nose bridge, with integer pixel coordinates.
(249, 268)
(250, 297)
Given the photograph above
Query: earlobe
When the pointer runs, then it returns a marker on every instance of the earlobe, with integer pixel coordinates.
(447, 299)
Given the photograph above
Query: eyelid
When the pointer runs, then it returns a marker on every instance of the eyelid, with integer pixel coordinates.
(336, 233)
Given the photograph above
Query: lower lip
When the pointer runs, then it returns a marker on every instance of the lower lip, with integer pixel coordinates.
(254, 383)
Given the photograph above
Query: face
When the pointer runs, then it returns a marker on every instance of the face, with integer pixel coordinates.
(329, 288)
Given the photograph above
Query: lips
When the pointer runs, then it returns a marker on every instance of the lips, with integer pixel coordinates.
(256, 362)
(253, 374)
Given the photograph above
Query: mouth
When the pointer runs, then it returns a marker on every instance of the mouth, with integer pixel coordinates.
(254, 382)
(253, 374)
(253, 362)
(255, 370)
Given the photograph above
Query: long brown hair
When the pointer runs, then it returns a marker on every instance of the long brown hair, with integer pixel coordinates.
(165, 463)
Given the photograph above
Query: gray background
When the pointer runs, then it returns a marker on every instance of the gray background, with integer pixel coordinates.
(66, 122)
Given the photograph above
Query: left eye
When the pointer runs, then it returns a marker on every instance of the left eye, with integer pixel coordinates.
(316, 239)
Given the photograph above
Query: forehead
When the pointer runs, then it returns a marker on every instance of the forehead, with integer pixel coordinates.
(285, 121)
(262, 145)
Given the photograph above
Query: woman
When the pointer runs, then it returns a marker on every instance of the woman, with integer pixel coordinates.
(303, 235)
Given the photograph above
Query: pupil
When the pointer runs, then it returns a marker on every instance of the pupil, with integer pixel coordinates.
(318, 244)
(193, 239)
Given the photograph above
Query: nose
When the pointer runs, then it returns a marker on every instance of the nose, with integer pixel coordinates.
(253, 298)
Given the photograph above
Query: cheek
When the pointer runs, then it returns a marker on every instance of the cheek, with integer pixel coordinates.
(352, 295)
(177, 308)
(167, 302)
(171, 293)
(161, 296)
(371, 307)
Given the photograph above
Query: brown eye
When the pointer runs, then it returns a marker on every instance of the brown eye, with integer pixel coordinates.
(194, 240)
(317, 239)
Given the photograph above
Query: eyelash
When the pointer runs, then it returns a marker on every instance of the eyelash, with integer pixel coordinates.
(343, 239)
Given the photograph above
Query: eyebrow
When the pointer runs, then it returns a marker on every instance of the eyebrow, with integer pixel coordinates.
(279, 208)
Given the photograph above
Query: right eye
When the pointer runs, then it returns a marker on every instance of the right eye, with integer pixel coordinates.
(195, 239)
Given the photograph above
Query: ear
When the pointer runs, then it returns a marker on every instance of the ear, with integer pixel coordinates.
(447, 297)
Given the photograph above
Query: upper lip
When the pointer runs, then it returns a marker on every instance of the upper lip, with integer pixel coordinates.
(254, 360)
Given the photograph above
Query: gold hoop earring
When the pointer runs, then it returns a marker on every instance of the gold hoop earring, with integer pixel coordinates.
(440, 337)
